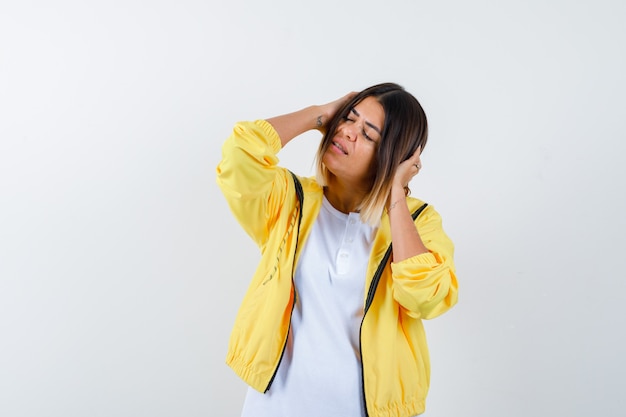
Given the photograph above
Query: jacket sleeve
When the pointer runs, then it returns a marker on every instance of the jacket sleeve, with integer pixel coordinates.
(426, 284)
(251, 181)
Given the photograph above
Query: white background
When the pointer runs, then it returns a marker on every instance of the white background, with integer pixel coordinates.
(121, 268)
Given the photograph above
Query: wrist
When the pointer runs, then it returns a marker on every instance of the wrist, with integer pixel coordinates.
(393, 203)
(318, 118)
(398, 190)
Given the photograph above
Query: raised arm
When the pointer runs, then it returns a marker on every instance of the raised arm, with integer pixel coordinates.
(248, 174)
(404, 235)
(290, 125)
(423, 267)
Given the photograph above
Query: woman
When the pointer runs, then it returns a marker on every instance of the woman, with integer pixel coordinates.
(330, 325)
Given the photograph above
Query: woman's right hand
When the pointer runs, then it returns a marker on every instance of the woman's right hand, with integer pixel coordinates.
(288, 126)
(328, 110)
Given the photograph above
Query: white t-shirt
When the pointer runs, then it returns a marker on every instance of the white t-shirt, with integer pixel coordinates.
(320, 372)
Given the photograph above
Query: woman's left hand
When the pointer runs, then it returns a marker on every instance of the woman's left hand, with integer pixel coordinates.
(408, 169)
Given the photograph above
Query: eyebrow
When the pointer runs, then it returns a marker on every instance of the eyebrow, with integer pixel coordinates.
(356, 113)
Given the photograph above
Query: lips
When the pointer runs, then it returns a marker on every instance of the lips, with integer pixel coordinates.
(340, 147)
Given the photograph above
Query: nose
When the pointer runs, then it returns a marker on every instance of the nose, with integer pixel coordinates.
(349, 132)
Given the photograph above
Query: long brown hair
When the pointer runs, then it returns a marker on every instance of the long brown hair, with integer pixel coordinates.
(404, 130)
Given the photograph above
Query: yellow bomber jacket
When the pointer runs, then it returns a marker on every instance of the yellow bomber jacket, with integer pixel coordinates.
(394, 353)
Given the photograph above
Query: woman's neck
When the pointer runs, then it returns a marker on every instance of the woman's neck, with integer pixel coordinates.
(344, 198)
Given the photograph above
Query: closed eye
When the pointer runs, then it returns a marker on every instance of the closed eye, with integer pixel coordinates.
(370, 125)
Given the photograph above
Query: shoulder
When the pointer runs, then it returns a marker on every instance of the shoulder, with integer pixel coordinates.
(428, 213)
(416, 203)
(256, 134)
(310, 186)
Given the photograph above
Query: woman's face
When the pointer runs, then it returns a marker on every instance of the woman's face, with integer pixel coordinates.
(352, 152)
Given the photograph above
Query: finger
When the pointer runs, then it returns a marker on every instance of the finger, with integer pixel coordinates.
(348, 97)
(417, 163)
(418, 160)
(415, 156)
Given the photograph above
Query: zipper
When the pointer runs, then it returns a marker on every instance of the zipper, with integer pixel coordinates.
(300, 195)
(368, 303)
(285, 344)
(370, 298)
